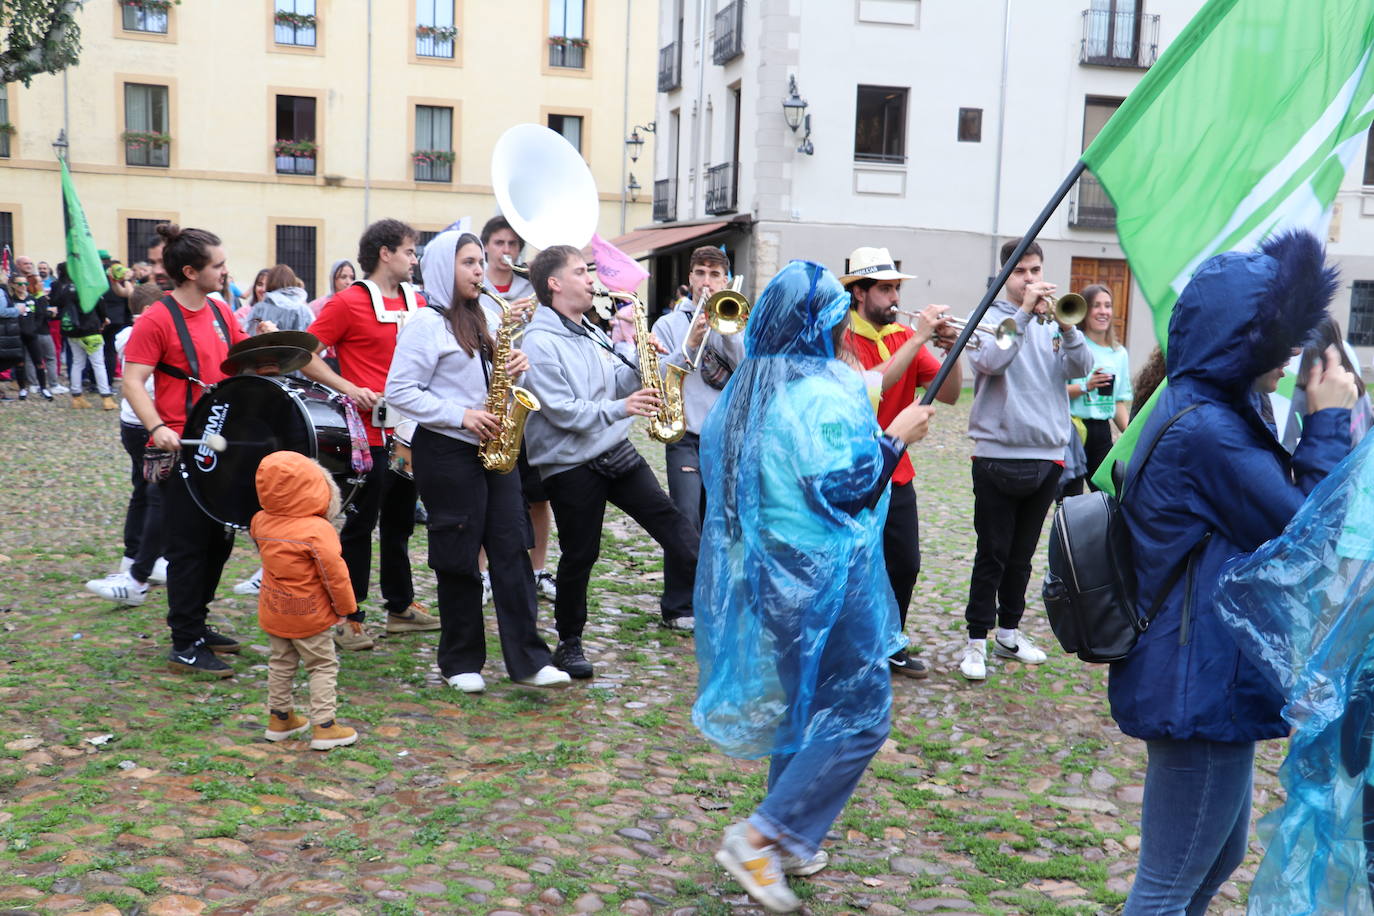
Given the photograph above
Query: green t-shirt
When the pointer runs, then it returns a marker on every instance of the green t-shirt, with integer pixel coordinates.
(1098, 404)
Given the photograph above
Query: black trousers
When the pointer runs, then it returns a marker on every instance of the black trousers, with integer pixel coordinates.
(143, 518)
(579, 498)
(1010, 500)
(30, 342)
(197, 548)
(682, 459)
(388, 498)
(471, 508)
(902, 545)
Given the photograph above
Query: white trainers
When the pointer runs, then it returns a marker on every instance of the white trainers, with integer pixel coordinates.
(974, 664)
(159, 574)
(545, 586)
(1021, 648)
(60, 389)
(759, 871)
(486, 588)
(796, 865)
(120, 587)
(468, 682)
(126, 564)
(547, 676)
(250, 586)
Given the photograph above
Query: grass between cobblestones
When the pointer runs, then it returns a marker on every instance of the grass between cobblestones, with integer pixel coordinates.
(1014, 796)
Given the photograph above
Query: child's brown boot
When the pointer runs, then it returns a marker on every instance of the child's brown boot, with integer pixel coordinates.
(331, 734)
(282, 725)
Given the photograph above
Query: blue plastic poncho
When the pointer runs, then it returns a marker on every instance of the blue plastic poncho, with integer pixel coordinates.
(795, 615)
(1302, 607)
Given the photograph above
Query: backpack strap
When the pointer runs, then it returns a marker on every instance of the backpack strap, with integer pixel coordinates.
(1150, 449)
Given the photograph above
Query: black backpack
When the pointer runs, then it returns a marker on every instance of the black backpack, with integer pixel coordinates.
(1090, 585)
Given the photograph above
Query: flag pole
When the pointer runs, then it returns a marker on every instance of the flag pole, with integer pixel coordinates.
(951, 359)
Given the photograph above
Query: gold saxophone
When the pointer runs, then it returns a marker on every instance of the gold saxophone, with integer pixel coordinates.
(511, 403)
(669, 424)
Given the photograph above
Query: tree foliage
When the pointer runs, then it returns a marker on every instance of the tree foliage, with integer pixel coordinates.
(37, 36)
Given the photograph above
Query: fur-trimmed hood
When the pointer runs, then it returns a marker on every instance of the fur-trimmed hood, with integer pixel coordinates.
(1243, 312)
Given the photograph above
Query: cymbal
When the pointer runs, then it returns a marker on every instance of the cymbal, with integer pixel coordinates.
(286, 350)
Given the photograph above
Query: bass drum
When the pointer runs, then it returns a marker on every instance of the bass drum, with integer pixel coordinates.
(258, 415)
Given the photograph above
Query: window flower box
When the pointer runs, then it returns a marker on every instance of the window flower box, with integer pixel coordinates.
(437, 32)
(295, 20)
(138, 139)
(301, 148)
(150, 6)
(6, 128)
(432, 156)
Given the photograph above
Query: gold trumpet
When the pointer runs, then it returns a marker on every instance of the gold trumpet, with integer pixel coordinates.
(1069, 308)
(1004, 333)
(727, 312)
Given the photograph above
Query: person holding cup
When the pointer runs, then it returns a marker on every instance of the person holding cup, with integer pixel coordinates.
(1102, 398)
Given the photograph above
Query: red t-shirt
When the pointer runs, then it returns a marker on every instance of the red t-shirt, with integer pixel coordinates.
(154, 340)
(363, 344)
(919, 374)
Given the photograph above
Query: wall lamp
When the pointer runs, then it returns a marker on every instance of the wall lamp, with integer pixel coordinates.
(635, 142)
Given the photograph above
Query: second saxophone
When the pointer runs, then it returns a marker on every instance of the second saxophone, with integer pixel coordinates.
(669, 424)
(511, 403)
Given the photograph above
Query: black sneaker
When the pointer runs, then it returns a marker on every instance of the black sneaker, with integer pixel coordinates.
(197, 659)
(568, 657)
(218, 642)
(902, 663)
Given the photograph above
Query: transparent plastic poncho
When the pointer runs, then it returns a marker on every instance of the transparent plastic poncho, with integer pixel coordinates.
(1302, 606)
(795, 615)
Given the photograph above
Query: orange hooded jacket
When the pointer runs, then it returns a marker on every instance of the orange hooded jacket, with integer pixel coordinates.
(305, 584)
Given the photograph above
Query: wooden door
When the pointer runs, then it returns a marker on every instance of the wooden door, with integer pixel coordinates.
(1113, 273)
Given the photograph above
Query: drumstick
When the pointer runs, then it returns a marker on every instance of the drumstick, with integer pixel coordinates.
(214, 442)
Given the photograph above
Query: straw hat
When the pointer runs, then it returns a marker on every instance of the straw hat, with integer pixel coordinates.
(872, 264)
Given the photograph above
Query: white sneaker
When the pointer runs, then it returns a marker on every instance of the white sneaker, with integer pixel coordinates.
(250, 586)
(545, 586)
(60, 389)
(759, 871)
(974, 664)
(120, 587)
(126, 564)
(468, 682)
(796, 865)
(1020, 649)
(486, 588)
(33, 389)
(547, 676)
(159, 574)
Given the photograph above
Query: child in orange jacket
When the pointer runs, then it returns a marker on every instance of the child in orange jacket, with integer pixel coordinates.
(305, 592)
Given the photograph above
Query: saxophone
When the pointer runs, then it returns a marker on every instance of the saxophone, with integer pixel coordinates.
(511, 403)
(669, 424)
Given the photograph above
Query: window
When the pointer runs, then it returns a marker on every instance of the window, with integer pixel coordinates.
(295, 148)
(1361, 331)
(434, 29)
(567, 40)
(433, 154)
(6, 230)
(144, 16)
(139, 236)
(295, 23)
(570, 126)
(146, 141)
(426, 236)
(6, 128)
(1091, 208)
(1117, 34)
(1368, 147)
(970, 125)
(880, 124)
(296, 249)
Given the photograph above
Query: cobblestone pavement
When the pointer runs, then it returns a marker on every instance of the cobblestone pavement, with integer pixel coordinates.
(126, 789)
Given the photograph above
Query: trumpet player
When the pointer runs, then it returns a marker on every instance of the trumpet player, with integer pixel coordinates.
(682, 333)
(880, 343)
(444, 364)
(578, 441)
(1018, 424)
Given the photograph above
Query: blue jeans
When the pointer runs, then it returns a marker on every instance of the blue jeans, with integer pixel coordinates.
(808, 789)
(1194, 825)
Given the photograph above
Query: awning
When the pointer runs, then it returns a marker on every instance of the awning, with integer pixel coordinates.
(643, 242)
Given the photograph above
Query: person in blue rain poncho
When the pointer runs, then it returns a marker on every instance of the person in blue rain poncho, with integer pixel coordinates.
(796, 618)
(1302, 609)
(1217, 484)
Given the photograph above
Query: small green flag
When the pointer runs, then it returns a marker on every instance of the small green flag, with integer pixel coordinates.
(1245, 127)
(83, 257)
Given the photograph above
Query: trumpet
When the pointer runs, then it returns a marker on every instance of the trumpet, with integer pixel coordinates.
(1069, 308)
(1004, 333)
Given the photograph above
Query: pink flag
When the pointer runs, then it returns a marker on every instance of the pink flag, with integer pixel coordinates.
(614, 268)
(5, 262)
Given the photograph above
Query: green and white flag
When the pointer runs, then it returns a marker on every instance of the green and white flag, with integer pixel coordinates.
(1245, 127)
(83, 257)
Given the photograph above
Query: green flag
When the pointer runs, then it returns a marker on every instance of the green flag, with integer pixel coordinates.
(83, 257)
(1245, 127)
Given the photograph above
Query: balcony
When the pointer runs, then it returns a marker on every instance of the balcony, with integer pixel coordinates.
(570, 53)
(1119, 38)
(295, 165)
(1090, 207)
(721, 188)
(729, 33)
(670, 67)
(665, 200)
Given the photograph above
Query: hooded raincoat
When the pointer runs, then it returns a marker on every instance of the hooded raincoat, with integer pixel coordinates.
(1219, 473)
(795, 615)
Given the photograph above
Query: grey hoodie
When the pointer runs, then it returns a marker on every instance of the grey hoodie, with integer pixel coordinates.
(581, 387)
(1020, 399)
(285, 307)
(697, 397)
(432, 381)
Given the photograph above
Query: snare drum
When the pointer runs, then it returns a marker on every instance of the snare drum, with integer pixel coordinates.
(259, 415)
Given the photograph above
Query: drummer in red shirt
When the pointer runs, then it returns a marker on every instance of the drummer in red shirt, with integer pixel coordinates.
(196, 545)
(361, 324)
(899, 355)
